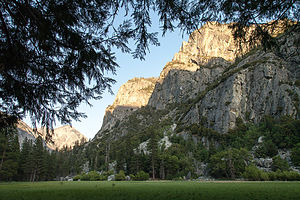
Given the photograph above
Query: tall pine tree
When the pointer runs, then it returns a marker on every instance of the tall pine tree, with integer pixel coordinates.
(26, 163)
(10, 154)
(38, 164)
(153, 147)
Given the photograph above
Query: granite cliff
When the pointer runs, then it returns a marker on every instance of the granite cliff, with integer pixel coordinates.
(131, 96)
(213, 77)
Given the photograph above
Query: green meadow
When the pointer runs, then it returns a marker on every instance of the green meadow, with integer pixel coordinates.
(159, 190)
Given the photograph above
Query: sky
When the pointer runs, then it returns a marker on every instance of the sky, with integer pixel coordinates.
(153, 64)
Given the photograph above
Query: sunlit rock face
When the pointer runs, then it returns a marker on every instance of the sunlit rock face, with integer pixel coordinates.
(216, 78)
(199, 61)
(64, 136)
(132, 95)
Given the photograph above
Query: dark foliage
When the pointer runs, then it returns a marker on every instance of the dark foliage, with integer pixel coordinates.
(54, 54)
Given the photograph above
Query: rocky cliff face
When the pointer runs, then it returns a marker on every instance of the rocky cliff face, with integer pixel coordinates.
(200, 61)
(132, 95)
(221, 87)
(65, 136)
(211, 77)
(205, 47)
(259, 85)
(24, 131)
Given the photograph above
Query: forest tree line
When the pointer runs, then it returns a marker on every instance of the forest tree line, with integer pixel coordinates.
(33, 161)
(225, 156)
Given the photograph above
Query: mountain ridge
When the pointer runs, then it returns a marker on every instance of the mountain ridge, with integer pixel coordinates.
(64, 136)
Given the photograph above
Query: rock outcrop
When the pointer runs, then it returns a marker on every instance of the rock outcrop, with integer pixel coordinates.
(132, 95)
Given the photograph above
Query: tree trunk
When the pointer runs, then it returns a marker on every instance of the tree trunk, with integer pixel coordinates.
(153, 169)
(2, 160)
(137, 165)
(31, 175)
(162, 170)
(34, 174)
(231, 168)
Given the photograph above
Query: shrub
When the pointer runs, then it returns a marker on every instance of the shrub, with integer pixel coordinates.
(120, 176)
(141, 176)
(287, 175)
(264, 176)
(178, 179)
(272, 176)
(132, 176)
(94, 176)
(296, 155)
(77, 177)
(91, 176)
(85, 177)
(292, 175)
(279, 164)
(252, 173)
(103, 177)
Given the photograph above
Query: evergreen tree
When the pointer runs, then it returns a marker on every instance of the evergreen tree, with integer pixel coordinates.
(38, 160)
(296, 155)
(54, 156)
(3, 147)
(27, 162)
(10, 154)
(153, 147)
(24, 154)
(229, 163)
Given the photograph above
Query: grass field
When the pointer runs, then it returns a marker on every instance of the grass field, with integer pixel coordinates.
(150, 190)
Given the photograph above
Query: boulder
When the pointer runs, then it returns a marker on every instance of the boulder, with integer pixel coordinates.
(111, 178)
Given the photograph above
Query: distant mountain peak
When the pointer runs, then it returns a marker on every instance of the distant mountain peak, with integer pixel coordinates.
(64, 136)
